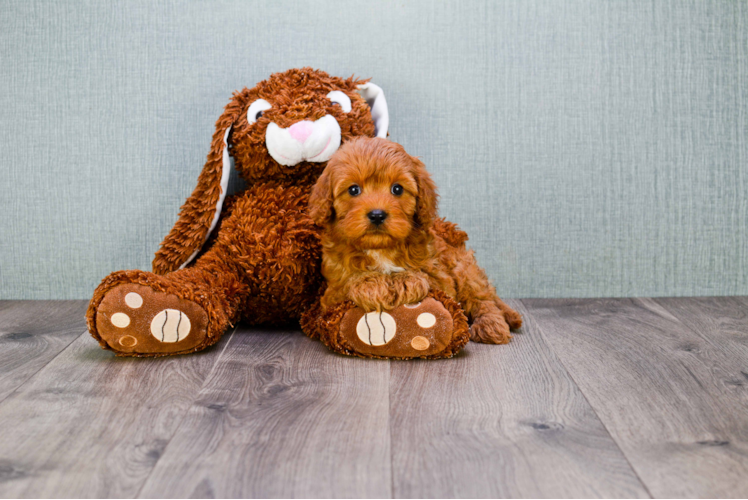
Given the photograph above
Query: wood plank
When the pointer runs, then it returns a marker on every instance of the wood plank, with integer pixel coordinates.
(32, 333)
(92, 425)
(282, 416)
(7, 304)
(665, 388)
(501, 421)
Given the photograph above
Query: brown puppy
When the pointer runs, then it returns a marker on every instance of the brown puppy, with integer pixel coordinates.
(383, 245)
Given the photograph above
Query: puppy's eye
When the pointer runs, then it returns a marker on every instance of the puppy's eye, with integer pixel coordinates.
(354, 190)
(256, 109)
(397, 189)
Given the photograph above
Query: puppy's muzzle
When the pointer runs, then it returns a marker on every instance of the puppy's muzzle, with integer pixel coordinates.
(377, 216)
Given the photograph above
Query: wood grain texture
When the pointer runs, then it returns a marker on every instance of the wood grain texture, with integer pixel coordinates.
(667, 380)
(7, 304)
(500, 421)
(598, 397)
(92, 425)
(282, 416)
(32, 333)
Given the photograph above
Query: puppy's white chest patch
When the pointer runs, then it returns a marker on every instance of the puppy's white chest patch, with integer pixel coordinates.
(382, 263)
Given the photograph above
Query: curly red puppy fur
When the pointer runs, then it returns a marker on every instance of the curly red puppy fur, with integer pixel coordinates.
(383, 245)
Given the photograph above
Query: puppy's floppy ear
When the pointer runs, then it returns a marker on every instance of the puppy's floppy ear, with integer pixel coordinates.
(199, 214)
(428, 200)
(320, 201)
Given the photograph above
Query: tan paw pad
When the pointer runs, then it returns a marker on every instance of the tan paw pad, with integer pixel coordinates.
(120, 320)
(426, 320)
(376, 328)
(170, 325)
(133, 300)
(420, 343)
(128, 341)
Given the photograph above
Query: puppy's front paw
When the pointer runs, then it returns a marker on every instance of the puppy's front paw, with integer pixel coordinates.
(409, 288)
(490, 328)
(386, 292)
(371, 294)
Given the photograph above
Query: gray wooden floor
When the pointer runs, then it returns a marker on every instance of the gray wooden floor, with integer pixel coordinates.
(596, 398)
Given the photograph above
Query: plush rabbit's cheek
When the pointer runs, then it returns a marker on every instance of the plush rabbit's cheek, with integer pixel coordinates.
(313, 141)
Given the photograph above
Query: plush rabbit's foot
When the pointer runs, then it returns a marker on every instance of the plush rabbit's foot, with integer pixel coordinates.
(433, 328)
(136, 320)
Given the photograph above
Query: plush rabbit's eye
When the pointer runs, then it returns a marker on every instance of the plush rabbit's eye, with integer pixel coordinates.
(256, 109)
(397, 189)
(354, 190)
(339, 98)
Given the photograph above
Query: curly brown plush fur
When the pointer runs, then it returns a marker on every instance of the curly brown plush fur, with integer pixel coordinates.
(262, 261)
(382, 244)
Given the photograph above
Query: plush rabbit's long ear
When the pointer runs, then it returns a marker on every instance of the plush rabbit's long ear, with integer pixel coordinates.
(374, 97)
(199, 215)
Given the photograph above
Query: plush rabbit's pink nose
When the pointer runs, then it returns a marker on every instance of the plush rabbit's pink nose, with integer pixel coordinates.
(301, 130)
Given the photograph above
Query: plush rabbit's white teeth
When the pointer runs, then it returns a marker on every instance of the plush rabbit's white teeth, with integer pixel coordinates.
(308, 141)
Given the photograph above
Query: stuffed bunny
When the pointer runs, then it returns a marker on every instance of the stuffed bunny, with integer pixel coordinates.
(255, 255)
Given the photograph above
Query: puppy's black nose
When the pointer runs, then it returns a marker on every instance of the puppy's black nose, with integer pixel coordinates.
(377, 216)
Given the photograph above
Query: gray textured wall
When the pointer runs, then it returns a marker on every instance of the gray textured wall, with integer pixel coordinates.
(589, 148)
